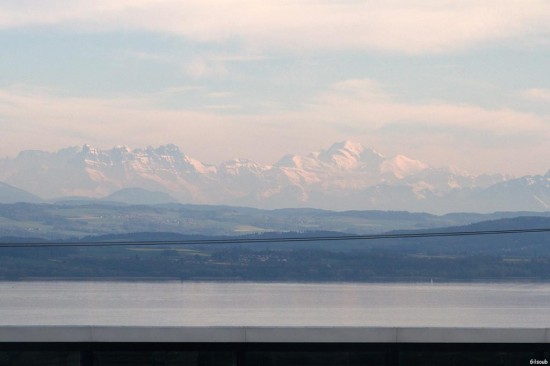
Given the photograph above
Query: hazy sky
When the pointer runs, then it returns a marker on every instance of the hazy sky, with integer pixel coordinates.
(463, 83)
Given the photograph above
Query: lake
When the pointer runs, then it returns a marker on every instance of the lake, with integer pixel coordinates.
(269, 304)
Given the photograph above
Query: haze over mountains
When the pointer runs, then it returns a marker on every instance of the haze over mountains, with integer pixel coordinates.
(343, 177)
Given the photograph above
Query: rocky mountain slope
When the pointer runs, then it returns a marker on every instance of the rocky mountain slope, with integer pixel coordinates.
(344, 176)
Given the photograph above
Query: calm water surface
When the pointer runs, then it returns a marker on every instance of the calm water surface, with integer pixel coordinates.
(207, 303)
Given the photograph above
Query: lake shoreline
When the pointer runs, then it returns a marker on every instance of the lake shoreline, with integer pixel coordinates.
(236, 280)
(58, 303)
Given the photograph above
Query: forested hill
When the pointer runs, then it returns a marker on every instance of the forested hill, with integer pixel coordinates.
(523, 257)
(79, 219)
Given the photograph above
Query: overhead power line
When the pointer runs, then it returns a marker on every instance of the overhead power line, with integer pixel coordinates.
(269, 240)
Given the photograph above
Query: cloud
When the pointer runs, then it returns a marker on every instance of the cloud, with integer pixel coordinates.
(438, 132)
(44, 119)
(537, 95)
(364, 103)
(39, 119)
(199, 68)
(396, 25)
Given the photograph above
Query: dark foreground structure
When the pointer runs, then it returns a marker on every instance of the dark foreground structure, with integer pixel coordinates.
(271, 346)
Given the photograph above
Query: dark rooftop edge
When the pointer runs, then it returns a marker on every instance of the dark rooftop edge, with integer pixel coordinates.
(270, 334)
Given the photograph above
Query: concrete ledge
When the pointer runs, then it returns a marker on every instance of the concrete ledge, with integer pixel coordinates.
(168, 334)
(137, 334)
(45, 334)
(471, 335)
(321, 334)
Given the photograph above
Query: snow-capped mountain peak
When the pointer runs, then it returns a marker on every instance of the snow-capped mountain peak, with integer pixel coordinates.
(347, 175)
(347, 146)
(238, 166)
(290, 161)
(348, 155)
(401, 166)
(88, 150)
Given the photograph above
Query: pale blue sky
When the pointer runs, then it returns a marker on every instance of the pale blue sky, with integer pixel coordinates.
(449, 83)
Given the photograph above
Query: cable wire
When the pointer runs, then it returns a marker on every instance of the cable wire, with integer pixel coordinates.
(269, 240)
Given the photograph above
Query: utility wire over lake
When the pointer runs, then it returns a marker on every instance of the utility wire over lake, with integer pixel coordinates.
(270, 240)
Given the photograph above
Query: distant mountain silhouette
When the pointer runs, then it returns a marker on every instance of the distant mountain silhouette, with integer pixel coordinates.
(345, 176)
(10, 194)
(140, 196)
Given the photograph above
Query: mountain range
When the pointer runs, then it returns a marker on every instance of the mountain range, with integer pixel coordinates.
(346, 176)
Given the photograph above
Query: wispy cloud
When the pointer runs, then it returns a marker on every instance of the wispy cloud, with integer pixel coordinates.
(502, 139)
(46, 120)
(537, 95)
(364, 102)
(204, 68)
(396, 25)
(438, 132)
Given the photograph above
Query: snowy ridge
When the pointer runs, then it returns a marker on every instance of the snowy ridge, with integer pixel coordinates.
(344, 176)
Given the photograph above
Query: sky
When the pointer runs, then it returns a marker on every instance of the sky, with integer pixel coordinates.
(451, 83)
